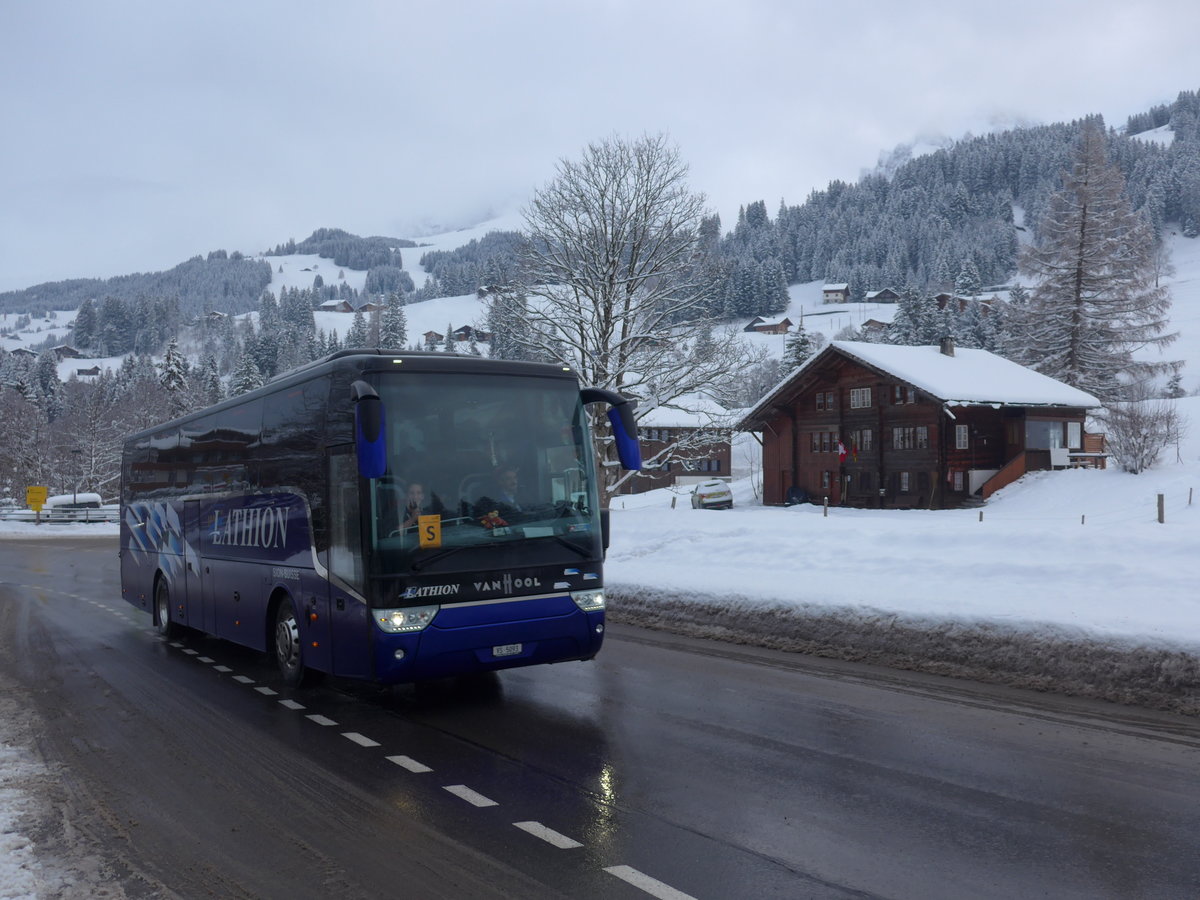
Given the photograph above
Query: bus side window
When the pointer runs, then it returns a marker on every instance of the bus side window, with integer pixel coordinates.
(345, 529)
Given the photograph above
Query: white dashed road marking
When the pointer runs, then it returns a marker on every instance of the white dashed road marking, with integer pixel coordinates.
(266, 691)
(549, 835)
(465, 793)
(321, 720)
(207, 660)
(190, 652)
(243, 679)
(359, 739)
(651, 886)
(222, 669)
(291, 704)
(407, 762)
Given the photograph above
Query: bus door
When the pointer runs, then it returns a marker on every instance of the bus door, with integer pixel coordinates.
(193, 581)
(348, 613)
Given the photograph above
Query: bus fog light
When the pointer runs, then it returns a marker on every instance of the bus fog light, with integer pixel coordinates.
(399, 654)
(599, 629)
(413, 618)
(589, 601)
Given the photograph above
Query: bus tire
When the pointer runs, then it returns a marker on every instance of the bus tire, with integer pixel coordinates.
(289, 649)
(162, 610)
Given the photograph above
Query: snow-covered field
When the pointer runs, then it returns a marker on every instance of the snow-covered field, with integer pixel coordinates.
(1076, 553)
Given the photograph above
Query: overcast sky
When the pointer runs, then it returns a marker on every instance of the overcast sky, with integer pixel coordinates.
(137, 134)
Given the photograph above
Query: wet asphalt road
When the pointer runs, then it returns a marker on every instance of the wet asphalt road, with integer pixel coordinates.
(667, 767)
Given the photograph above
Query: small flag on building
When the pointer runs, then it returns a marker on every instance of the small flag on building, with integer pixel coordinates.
(841, 452)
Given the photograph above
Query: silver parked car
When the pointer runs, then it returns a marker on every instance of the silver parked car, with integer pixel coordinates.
(712, 495)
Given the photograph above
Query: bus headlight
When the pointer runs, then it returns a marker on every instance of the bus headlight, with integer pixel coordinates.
(411, 618)
(589, 601)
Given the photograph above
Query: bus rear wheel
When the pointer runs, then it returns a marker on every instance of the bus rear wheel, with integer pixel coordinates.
(162, 611)
(289, 650)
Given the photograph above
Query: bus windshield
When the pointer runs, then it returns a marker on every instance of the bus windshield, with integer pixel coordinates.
(492, 463)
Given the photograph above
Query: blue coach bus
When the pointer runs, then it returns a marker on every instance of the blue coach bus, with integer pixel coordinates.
(355, 517)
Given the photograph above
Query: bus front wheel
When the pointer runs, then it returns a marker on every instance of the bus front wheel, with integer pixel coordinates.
(289, 651)
(162, 611)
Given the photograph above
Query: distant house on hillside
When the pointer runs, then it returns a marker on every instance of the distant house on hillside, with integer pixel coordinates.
(23, 351)
(769, 326)
(880, 425)
(66, 351)
(433, 337)
(836, 293)
(341, 306)
(887, 295)
(466, 332)
(873, 328)
(87, 373)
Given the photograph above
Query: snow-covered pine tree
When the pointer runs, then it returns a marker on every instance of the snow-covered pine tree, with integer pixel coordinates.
(356, 337)
(393, 326)
(1095, 300)
(797, 348)
(246, 377)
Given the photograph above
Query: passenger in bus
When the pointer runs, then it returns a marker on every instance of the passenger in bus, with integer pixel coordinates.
(417, 504)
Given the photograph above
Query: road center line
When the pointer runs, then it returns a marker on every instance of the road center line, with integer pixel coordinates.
(465, 793)
(321, 720)
(291, 704)
(407, 762)
(651, 886)
(190, 652)
(222, 669)
(243, 679)
(359, 739)
(266, 691)
(549, 835)
(206, 659)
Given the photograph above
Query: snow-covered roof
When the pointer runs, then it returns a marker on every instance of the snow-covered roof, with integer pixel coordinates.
(835, 287)
(968, 378)
(688, 411)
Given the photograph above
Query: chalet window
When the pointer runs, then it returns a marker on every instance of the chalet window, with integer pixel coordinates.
(962, 437)
(829, 400)
(904, 482)
(824, 399)
(903, 438)
(1043, 434)
(816, 442)
(860, 398)
(826, 441)
(958, 481)
(1074, 435)
(922, 437)
(867, 441)
(824, 481)
(911, 395)
(820, 399)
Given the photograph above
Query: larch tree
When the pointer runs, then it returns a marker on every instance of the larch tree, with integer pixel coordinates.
(1095, 302)
(617, 286)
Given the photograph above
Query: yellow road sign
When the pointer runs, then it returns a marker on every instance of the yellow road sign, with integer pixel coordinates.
(35, 497)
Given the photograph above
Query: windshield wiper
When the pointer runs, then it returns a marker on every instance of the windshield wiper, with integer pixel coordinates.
(429, 560)
(570, 544)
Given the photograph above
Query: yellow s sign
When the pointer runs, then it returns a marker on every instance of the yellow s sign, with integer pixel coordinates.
(429, 531)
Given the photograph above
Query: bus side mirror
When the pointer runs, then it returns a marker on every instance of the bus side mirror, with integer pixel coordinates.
(370, 441)
(624, 426)
(605, 529)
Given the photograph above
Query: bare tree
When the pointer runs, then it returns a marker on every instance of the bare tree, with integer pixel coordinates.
(615, 281)
(1139, 429)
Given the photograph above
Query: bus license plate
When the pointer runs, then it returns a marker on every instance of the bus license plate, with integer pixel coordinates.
(506, 650)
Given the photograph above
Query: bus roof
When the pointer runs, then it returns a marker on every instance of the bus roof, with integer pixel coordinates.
(376, 360)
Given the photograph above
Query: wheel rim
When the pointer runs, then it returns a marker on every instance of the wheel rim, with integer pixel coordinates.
(287, 640)
(162, 599)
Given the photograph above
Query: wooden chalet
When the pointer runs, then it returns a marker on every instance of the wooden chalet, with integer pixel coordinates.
(887, 295)
(835, 293)
(341, 306)
(880, 425)
(769, 326)
(695, 431)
